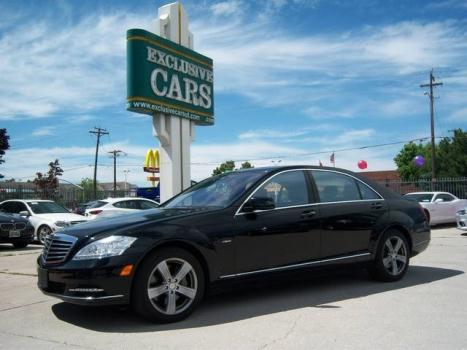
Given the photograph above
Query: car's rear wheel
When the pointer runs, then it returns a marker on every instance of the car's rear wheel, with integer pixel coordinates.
(168, 286)
(43, 232)
(392, 257)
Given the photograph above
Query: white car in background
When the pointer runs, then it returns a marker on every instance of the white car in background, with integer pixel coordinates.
(440, 207)
(44, 215)
(117, 206)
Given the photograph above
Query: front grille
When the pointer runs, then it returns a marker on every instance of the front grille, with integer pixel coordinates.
(13, 226)
(7, 227)
(57, 247)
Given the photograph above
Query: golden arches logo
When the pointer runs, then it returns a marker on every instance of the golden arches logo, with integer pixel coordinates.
(152, 164)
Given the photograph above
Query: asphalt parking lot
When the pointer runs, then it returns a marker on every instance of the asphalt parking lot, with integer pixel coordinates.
(426, 310)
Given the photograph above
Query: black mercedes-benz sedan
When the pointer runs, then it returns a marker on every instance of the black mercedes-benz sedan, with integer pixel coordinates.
(16, 230)
(243, 223)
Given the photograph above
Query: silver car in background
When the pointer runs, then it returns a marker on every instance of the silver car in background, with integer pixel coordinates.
(461, 219)
(440, 207)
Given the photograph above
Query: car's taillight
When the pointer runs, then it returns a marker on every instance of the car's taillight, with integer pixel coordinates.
(95, 212)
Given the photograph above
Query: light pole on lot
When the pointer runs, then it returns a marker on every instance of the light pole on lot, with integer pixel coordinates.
(125, 172)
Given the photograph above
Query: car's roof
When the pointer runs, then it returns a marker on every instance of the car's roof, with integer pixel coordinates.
(428, 192)
(113, 200)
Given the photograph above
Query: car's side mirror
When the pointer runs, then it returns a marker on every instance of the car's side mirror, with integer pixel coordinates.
(258, 203)
(439, 200)
(24, 213)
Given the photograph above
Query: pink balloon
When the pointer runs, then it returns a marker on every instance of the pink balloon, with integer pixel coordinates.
(362, 164)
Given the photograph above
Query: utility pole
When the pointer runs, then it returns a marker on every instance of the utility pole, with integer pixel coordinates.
(126, 171)
(114, 154)
(99, 132)
(431, 85)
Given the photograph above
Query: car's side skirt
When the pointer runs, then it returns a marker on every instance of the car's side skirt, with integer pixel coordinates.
(347, 258)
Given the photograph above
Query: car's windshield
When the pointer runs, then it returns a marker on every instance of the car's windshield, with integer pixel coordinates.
(420, 197)
(46, 208)
(217, 191)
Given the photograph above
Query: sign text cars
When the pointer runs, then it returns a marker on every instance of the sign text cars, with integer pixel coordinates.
(164, 77)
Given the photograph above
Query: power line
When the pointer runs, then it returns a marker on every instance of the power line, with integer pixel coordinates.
(431, 85)
(99, 132)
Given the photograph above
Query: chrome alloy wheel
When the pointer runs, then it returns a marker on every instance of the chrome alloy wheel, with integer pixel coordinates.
(172, 286)
(394, 255)
(44, 232)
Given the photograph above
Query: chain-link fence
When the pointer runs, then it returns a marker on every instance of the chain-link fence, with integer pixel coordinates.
(68, 195)
(456, 186)
(71, 196)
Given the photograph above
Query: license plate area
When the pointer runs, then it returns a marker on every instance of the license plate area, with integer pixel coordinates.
(14, 233)
(43, 278)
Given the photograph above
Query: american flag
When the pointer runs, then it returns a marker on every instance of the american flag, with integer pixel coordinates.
(333, 159)
(320, 164)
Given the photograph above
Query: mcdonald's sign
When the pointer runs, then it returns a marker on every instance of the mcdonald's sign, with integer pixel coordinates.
(152, 164)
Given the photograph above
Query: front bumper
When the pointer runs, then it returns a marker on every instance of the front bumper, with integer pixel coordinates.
(26, 236)
(461, 222)
(90, 282)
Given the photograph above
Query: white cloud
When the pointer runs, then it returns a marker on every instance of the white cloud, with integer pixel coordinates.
(50, 66)
(226, 8)
(44, 131)
(269, 134)
(79, 119)
(459, 115)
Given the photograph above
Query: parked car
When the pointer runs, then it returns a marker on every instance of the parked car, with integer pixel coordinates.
(461, 219)
(440, 207)
(81, 208)
(117, 206)
(16, 230)
(240, 224)
(44, 215)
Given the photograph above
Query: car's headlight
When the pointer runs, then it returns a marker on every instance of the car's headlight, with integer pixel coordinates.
(62, 223)
(105, 247)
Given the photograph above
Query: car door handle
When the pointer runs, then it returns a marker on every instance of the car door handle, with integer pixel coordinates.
(376, 205)
(308, 214)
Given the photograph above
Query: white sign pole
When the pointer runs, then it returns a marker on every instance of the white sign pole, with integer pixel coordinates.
(175, 134)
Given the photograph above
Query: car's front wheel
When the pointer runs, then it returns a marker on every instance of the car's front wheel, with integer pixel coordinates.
(43, 232)
(392, 257)
(168, 286)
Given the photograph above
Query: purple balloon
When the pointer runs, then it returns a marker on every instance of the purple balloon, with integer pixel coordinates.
(419, 161)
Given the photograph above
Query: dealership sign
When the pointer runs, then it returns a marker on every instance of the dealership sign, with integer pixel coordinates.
(164, 77)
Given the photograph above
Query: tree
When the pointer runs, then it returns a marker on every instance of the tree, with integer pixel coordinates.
(4, 145)
(408, 171)
(88, 188)
(224, 167)
(451, 158)
(229, 165)
(246, 165)
(48, 183)
(452, 155)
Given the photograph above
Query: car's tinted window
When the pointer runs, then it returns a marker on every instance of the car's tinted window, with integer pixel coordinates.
(445, 197)
(131, 204)
(147, 205)
(96, 204)
(335, 187)
(420, 197)
(366, 192)
(12, 207)
(287, 189)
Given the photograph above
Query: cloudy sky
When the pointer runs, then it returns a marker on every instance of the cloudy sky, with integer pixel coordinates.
(292, 78)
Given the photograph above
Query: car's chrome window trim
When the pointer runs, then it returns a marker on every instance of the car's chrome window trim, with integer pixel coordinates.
(294, 265)
(239, 210)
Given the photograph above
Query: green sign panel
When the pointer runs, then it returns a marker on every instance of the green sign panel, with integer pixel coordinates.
(164, 77)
